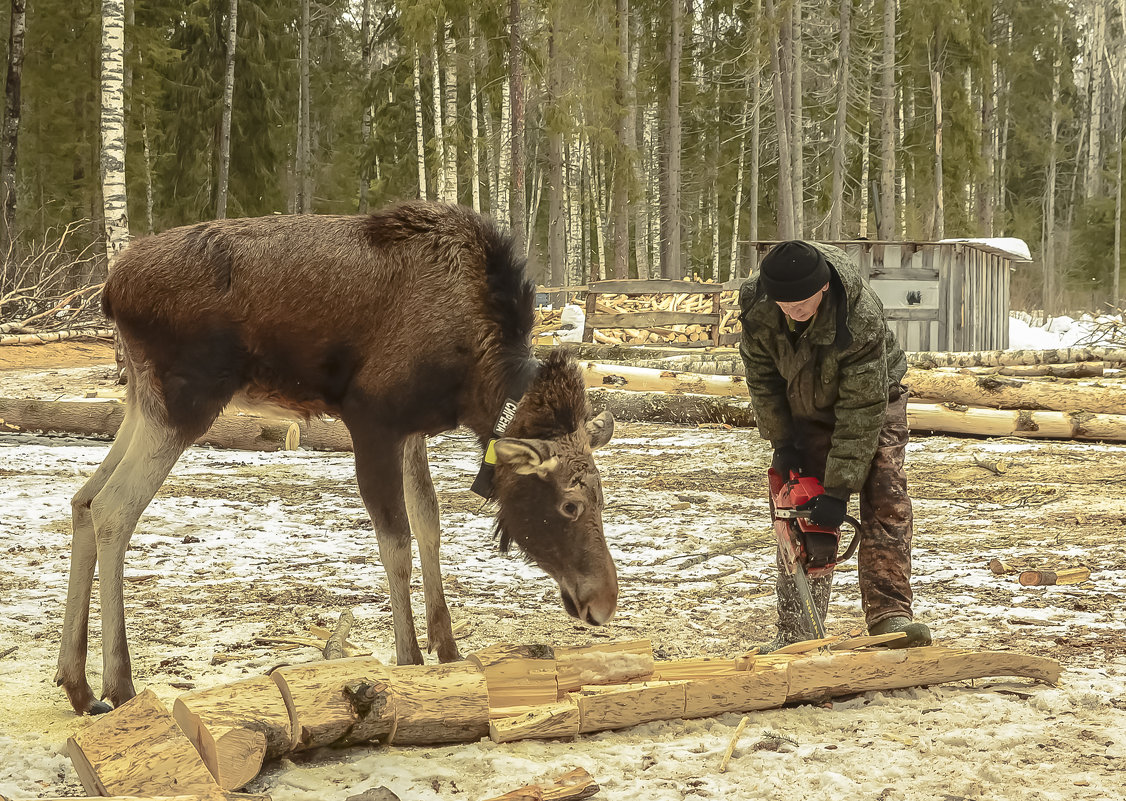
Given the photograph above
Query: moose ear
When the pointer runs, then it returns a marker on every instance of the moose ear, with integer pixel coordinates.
(600, 429)
(525, 456)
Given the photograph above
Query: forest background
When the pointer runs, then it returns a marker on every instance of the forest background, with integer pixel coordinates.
(617, 138)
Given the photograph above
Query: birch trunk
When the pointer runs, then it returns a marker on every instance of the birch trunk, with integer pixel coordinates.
(516, 79)
(786, 220)
(653, 176)
(576, 258)
(598, 194)
(304, 182)
(671, 266)
(797, 126)
(886, 220)
(556, 223)
(840, 128)
(1048, 250)
(1116, 296)
(1092, 185)
(365, 117)
(441, 188)
(637, 174)
(733, 263)
(449, 115)
(865, 173)
(939, 208)
(985, 195)
(502, 202)
(114, 199)
(901, 168)
(756, 132)
(11, 131)
(474, 126)
(419, 132)
(623, 158)
(225, 123)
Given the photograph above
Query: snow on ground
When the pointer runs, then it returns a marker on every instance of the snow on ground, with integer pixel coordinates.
(241, 547)
(1025, 333)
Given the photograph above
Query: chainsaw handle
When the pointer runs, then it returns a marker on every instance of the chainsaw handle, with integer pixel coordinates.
(851, 549)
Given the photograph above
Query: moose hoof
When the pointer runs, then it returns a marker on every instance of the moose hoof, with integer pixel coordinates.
(98, 708)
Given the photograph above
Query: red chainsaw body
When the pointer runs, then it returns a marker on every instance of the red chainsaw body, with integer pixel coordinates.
(801, 543)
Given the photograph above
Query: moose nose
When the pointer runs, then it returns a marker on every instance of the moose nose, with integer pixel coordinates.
(591, 603)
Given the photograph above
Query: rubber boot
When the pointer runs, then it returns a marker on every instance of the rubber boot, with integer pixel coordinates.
(792, 624)
(917, 633)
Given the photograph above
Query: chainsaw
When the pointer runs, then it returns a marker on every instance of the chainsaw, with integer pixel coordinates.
(808, 551)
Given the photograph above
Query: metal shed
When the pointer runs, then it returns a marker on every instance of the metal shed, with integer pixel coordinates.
(948, 295)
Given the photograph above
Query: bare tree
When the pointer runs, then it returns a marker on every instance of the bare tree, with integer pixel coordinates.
(556, 223)
(367, 61)
(419, 132)
(840, 126)
(304, 202)
(671, 266)
(228, 104)
(114, 198)
(623, 157)
(886, 220)
(516, 81)
(779, 29)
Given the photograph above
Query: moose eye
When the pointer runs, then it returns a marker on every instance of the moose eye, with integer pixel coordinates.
(571, 509)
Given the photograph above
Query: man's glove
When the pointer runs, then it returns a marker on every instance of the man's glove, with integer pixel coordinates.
(827, 511)
(786, 458)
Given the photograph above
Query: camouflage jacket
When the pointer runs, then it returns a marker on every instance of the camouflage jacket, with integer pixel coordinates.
(839, 373)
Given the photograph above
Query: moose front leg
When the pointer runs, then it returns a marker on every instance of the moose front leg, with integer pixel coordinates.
(379, 474)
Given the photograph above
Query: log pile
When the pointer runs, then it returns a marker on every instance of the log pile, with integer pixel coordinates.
(671, 334)
(506, 692)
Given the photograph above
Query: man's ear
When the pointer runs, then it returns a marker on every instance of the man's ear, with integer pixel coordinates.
(526, 456)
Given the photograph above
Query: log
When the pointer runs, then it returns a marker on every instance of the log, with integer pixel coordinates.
(657, 407)
(640, 379)
(138, 750)
(762, 687)
(571, 786)
(1000, 392)
(1077, 370)
(609, 663)
(993, 358)
(55, 336)
(214, 796)
(103, 417)
(236, 727)
(623, 705)
(517, 675)
(558, 720)
(338, 703)
(820, 676)
(1046, 578)
(1005, 423)
(437, 704)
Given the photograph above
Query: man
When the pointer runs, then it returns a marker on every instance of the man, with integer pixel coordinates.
(824, 373)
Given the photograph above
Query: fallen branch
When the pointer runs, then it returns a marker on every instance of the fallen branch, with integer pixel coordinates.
(334, 646)
(571, 786)
(731, 745)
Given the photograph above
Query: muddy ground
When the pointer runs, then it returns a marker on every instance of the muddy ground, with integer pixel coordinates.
(239, 548)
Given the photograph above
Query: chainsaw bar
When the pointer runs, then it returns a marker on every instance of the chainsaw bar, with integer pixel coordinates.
(809, 608)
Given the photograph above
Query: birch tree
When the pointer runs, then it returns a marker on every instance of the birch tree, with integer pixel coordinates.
(517, 201)
(840, 127)
(450, 116)
(114, 199)
(304, 201)
(623, 156)
(419, 132)
(228, 103)
(671, 266)
(779, 30)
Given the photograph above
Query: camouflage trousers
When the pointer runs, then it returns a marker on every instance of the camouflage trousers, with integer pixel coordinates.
(884, 556)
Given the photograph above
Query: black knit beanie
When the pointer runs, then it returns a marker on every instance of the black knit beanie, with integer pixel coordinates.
(793, 271)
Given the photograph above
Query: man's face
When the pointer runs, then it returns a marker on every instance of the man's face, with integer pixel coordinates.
(802, 310)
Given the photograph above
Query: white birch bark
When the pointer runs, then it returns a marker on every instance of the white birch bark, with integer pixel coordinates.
(449, 115)
(419, 132)
(598, 196)
(797, 124)
(367, 63)
(787, 228)
(756, 129)
(441, 184)
(652, 146)
(474, 127)
(228, 105)
(1092, 185)
(114, 198)
(671, 266)
(503, 209)
(640, 220)
(865, 176)
(556, 221)
(575, 256)
(840, 123)
(939, 231)
(1048, 249)
(491, 155)
(733, 253)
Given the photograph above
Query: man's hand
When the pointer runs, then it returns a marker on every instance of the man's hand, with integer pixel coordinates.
(827, 511)
(786, 458)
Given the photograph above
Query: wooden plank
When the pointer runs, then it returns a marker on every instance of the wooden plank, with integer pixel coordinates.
(893, 257)
(591, 304)
(1006, 306)
(650, 319)
(913, 313)
(906, 273)
(654, 286)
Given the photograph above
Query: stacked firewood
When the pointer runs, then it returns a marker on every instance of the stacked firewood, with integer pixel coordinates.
(548, 320)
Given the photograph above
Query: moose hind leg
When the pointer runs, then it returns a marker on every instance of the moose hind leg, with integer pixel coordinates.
(71, 674)
(379, 474)
(153, 449)
(422, 509)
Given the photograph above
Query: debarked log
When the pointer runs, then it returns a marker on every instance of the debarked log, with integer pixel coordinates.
(957, 419)
(138, 749)
(1002, 392)
(558, 720)
(993, 358)
(102, 417)
(819, 676)
(236, 727)
(657, 407)
(641, 379)
(437, 704)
